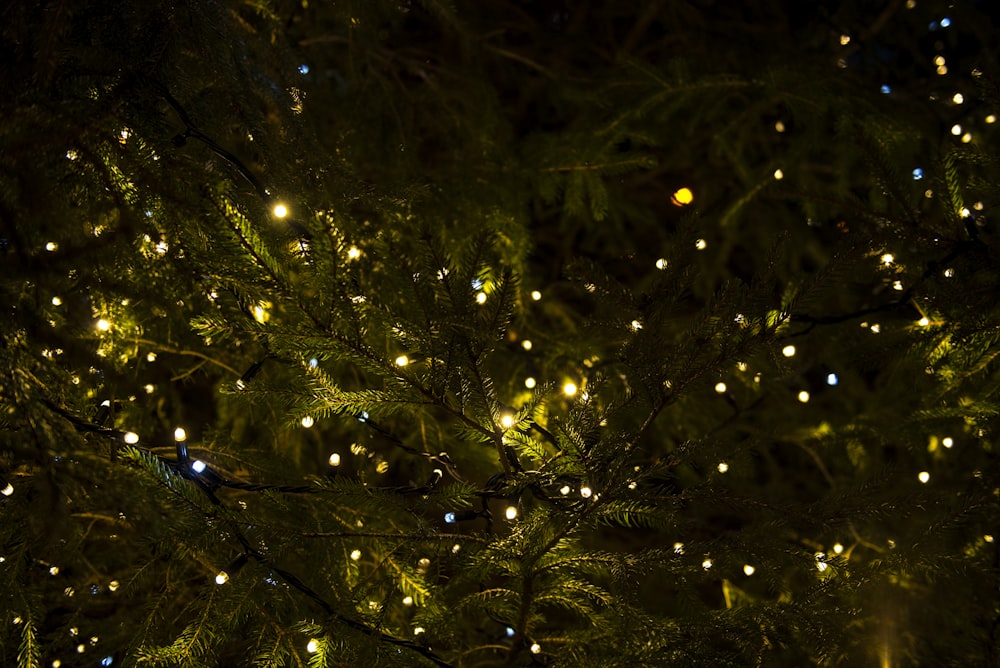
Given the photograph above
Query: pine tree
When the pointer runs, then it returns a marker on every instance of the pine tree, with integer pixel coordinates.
(499, 334)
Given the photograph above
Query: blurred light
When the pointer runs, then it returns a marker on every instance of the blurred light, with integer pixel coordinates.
(707, 564)
(507, 421)
(526, 344)
(918, 174)
(565, 489)
(280, 210)
(449, 517)
(803, 396)
(198, 466)
(837, 548)
(948, 441)
(956, 129)
(661, 264)
(678, 548)
(303, 69)
(748, 569)
(992, 118)
(778, 175)
(701, 244)
(481, 298)
(723, 467)
(56, 301)
(720, 387)
(530, 382)
(845, 40)
(682, 197)
(569, 389)
(312, 646)
(536, 295)
(945, 22)
(788, 351)
(535, 648)
(407, 600)
(923, 476)
(510, 513)
(307, 421)
(353, 253)
(888, 258)
(957, 98)
(7, 490)
(886, 89)
(923, 322)
(180, 434)
(586, 492)
(402, 360)
(417, 631)
(779, 126)
(131, 437)
(222, 578)
(334, 459)
(355, 555)
(103, 325)
(636, 325)
(832, 379)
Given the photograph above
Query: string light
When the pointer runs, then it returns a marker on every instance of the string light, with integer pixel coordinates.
(536, 295)
(948, 441)
(510, 513)
(56, 301)
(279, 210)
(7, 490)
(569, 389)
(748, 570)
(957, 98)
(113, 585)
(682, 197)
(530, 383)
(991, 119)
(180, 434)
(821, 565)
(526, 344)
(956, 129)
(707, 564)
(678, 548)
(636, 325)
(586, 492)
(53, 570)
(334, 459)
(51, 246)
(923, 476)
(307, 421)
(838, 548)
(923, 322)
(198, 466)
(720, 387)
(888, 258)
(103, 325)
(407, 600)
(312, 646)
(845, 40)
(661, 264)
(565, 489)
(355, 555)
(507, 421)
(535, 648)
(481, 298)
(353, 253)
(723, 467)
(832, 379)
(131, 437)
(803, 396)
(701, 244)
(788, 351)
(778, 175)
(222, 578)
(418, 630)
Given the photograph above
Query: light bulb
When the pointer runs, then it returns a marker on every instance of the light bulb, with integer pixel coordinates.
(222, 578)
(838, 548)
(535, 648)
(569, 389)
(402, 360)
(511, 512)
(507, 421)
(7, 490)
(682, 197)
(748, 569)
(565, 489)
(279, 210)
(526, 344)
(803, 396)
(661, 264)
(530, 383)
(355, 555)
(723, 467)
(586, 492)
(536, 295)
(312, 646)
(720, 387)
(948, 441)
(131, 437)
(707, 564)
(198, 466)
(923, 476)
(334, 459)
(103, 325)
(788, 351)
(307, 421)
(180, 434)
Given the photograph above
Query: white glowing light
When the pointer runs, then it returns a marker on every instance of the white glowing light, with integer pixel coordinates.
(956, 129)
(530, 382)
(707, 564)
(678, 548)
(417, 631)
(103, 325)
(507, 421)
(832, 379)
(845, 40)
(307, 421)
(565, 489)
(788, 351)
(948, 441)
(803, 396)
(222, 578)
(778, 175)
(535, 648)
(56, 301)
(481, 298)
(113, 585)
(131, 437)
(526, 344)
(312, 646)
(701, 244)
(510, 513)
(991, 119)
(923, 476)
(569, 389)
(720, 387)
(586, 492)
(957, 98)
(353, 253)
(198, 466)
(988, 538)
(149, 388)
(334, 459)
(51, 246)
(407, 600)
(661, 264)
(536, 295)
(180, 434)
(838, 548)
(723, 467)
(748, 570)
(355, 555)
(279, 210)
(888, 258)
(7, 490)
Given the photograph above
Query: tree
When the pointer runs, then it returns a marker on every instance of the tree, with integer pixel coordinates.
(498, 333)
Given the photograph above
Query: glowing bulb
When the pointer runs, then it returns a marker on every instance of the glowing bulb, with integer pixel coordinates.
(636, 325)
(803, 396)
(353, 253)
(355, 555)
(535, 648)
(450, 518)
(678, 548)
(682, 197)
(307, 421)
(778, 175)
(748, 570)
(918, 174)
(149, 388)
(723, 467)
(965, 213)
(113, 585)
(586, 492)
(417, 631)
(279, 210)
(832, 379)
(507, 421)
(661, 264)
(569, 389)
(992, 118)
(131, 437)
(334, 459)
(988, 538)
(707, 564)
(923, 322)
(845, 40)
(838, 548)
(957, 98)
(779, 126)
(701, 244)
(7, 490)
(407, 600)
(510, 513)
(536, 295)
(888, 258)
(222, 578)
(923, 476)
(526, 344)
(312, 646)
(788, 351)
(103, 325)
(565, 489)
(956, 129)
(530, 383)
(720, 387)
(948, 441)
(51, 246)
(949, 273)
(180, 434)
(481, 298)
(198, 466)
(56, 301)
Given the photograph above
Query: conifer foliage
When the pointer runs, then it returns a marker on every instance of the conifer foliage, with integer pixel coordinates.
(499, 333)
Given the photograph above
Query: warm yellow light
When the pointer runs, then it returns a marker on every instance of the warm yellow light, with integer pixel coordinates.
(530, 383)
(312, 646)
(131, 437)
(682, 197)
(569, 389)
(535, 648)
(150, 357)
(307, 421)
(418, 630)
(279, 210)
(565, 489)
(51, 246)
(845, 40)
(701, 244)
(103, 325)
(661, 264)
(778, 175)
(56, 301)
(788, 351)
(407, 600)
(7, 490)
(586, 492)
(353, 253)
(222, 578)
(720, 387)
(723, 467)
(536, 295)
(149, 388)
(748, 569)
(957, 98)
(355, 555)
(636, 325)
(992, 118)
(180, 434)
(888, 258)
(956, 129)
(334, 459)
(526, 344)
(113, 585)
(480, 297)
(402, 360)
(803, 396)
(707, 564)
(923, 476)
(948, 441)
(507, 421)
(510, 513)
(837, 548)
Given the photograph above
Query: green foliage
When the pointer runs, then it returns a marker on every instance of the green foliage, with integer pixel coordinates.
(493, 392)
